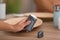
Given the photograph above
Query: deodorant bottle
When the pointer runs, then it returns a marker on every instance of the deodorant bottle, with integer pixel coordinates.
(56, 15)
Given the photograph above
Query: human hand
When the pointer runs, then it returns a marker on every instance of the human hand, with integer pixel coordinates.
(14, 28)
(21, 25)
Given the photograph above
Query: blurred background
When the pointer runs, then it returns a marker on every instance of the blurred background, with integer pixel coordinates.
(20, 6)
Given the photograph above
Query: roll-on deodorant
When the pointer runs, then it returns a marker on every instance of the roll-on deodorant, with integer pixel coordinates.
(56, 15)
(33, 19)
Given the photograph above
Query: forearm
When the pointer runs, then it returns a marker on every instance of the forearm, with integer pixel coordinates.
(14, 28)
(5, 27)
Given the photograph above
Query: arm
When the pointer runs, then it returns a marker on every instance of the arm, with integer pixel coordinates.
(14, 28)
(5, 26)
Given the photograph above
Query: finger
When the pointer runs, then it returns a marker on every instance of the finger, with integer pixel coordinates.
(22, 21)
(21, 27)
(27, 23)
(23, 24)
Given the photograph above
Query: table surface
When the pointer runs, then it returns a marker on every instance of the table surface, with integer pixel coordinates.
(50, 33)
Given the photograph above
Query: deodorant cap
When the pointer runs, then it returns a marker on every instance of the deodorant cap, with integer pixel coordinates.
(57, 8)
(40, 34)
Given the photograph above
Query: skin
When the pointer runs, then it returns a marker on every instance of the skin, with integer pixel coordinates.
(14, 28)
(46, 5)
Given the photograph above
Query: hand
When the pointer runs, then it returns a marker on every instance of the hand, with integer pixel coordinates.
(14, 28)
(21, 25)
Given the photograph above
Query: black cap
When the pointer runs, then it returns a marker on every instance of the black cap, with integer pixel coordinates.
(40, 34)
(57, 8)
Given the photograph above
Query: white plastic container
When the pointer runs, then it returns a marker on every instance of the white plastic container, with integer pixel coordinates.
(56, 15)
(2, 10)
